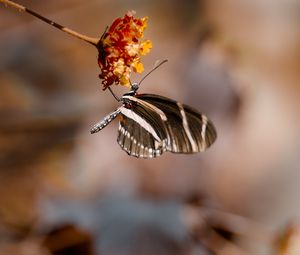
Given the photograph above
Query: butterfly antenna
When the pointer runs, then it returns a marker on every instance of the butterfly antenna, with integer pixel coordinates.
(21, 8)
(114, 95)
(153, 69)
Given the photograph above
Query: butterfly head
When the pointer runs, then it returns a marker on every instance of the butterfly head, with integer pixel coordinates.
(133, 90)
(134, 87)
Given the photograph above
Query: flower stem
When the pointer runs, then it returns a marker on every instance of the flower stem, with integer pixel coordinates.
(91, 40)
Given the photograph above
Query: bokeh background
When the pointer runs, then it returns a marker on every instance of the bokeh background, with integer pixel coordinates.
(64, 191)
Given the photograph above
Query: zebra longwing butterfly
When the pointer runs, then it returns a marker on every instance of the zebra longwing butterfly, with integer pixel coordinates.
(152, 124)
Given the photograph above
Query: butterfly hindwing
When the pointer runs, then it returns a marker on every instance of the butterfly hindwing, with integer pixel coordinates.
(141, 132)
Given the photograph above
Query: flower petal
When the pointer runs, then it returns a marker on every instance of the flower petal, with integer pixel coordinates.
(145, 47)
(137, 67)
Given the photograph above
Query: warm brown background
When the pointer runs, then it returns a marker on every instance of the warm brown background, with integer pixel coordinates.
(235, 60)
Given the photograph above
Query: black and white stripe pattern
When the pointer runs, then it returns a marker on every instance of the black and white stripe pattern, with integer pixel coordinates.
(187, 130)
(152, 124)
(137, 141)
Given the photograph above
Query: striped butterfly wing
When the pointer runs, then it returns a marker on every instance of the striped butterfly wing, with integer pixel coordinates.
(188, 131)
(141, 130)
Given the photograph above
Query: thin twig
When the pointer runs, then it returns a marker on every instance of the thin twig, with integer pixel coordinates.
(201, 219)
(91, 40)
(239, 225)
(221, 246)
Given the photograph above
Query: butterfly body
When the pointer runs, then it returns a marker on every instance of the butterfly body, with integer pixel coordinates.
(152, 124)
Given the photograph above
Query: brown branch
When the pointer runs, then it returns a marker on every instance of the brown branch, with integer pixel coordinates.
(203, 224)
(240, 225)
(221, 246)
(199, 218)
(91, 40)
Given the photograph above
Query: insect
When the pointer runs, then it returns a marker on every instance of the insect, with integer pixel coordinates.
(152, 124)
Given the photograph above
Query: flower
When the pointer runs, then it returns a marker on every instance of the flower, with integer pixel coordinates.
(120, 49)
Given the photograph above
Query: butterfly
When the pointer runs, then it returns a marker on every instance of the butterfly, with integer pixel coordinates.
(152, 124)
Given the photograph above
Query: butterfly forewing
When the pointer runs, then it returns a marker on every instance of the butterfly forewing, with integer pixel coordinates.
(206, 135)
(188, 130)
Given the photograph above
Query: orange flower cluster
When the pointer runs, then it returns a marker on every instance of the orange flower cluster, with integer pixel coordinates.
(120, 49)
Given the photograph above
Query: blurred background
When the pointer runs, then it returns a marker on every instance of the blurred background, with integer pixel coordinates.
(66, 192)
